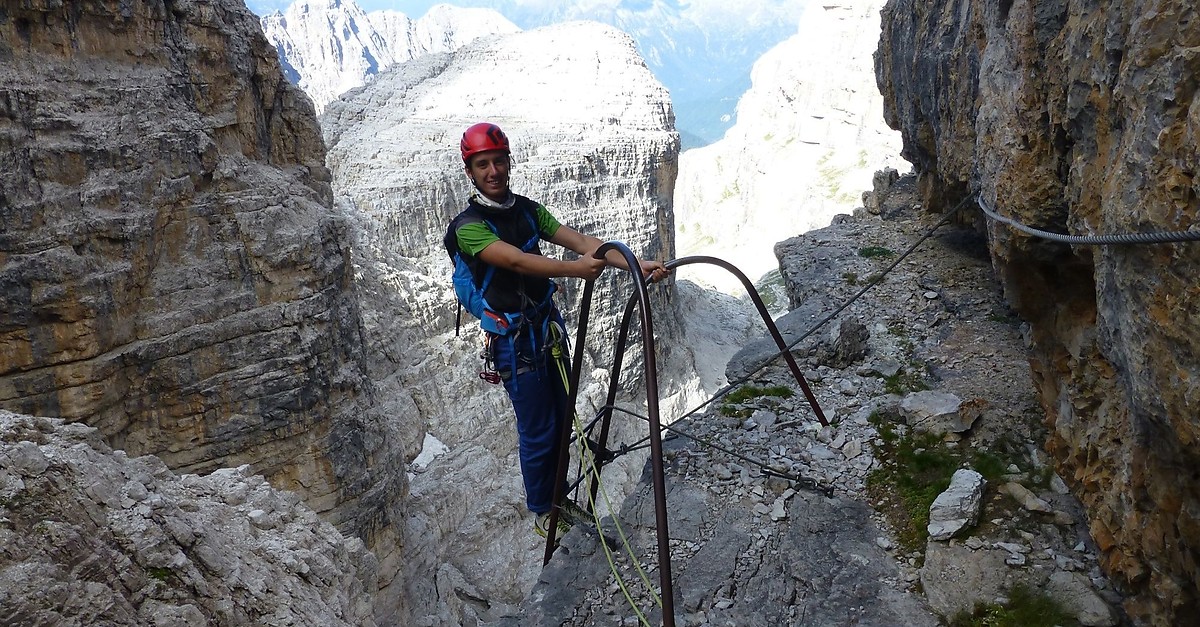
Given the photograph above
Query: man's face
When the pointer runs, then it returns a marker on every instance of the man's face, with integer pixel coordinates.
(489, 171)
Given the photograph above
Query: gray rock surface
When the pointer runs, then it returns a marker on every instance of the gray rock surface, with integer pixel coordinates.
(172, 272)
(92, 536)
(934, 412)
(1078, 117)
(731, 568)
(808, 135)
(769, 515)
(958, 507)
(332, 46)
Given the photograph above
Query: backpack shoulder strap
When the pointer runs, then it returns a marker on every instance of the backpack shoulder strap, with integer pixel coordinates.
(529, 210)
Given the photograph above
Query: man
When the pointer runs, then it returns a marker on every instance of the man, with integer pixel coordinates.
(498, 237)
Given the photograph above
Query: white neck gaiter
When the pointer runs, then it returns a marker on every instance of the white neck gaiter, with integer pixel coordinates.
(488, 202)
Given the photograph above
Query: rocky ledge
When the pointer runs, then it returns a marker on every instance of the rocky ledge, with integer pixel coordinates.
(926, 374)
(92, 536)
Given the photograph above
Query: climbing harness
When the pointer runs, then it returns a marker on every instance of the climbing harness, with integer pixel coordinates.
(471, 284)
(489, 372)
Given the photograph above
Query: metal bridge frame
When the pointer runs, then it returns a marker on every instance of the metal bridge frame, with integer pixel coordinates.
(641, 298)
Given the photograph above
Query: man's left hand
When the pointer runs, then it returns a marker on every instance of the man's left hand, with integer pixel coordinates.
(654, 271)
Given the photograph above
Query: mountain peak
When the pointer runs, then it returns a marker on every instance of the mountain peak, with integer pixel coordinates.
(331, 46)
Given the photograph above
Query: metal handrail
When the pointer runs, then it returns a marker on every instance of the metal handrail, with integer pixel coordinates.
(640, 298)
(651, 374)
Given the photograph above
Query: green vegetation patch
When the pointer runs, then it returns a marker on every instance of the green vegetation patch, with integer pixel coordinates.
(729, 411)
(159, 573)
(914, 469)
(903, 382)
(772, 290)
(1025, 608)
(747, 393)
(992, 467)
(871, 252)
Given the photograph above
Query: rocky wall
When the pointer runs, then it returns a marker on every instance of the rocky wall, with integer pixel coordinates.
(1082, 117)
(172, 272)
(91, 536)
(593, 139)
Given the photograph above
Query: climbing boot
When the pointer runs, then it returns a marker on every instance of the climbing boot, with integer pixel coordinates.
(541, 525)
(574, 514)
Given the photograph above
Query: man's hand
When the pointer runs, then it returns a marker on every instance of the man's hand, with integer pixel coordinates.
(588, 267)
(654, 271)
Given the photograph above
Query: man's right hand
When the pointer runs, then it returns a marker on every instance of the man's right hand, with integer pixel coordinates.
(588, 267)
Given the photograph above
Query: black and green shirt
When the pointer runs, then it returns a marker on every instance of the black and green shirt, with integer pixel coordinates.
(508, 291)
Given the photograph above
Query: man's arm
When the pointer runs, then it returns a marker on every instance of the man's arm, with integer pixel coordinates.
(504, 255)
(586, 246)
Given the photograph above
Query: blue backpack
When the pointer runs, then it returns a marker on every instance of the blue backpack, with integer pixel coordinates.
(470, 289)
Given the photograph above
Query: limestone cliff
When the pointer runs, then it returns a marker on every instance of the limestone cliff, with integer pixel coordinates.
(331, 46)
(809, 135)
(91, 536)
(1082, 116)
(171, 270)
(593, 139)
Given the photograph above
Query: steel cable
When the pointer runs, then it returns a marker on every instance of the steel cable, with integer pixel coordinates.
(871, 283)
(1163, 237)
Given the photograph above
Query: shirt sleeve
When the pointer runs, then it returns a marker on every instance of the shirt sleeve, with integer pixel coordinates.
(547, 224)
(473, 237)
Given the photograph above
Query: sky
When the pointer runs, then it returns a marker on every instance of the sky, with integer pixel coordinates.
(412, 8)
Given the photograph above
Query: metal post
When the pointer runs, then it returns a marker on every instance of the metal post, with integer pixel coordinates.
(564, 436)
(613, 383)
(771, 327)
(659, 481)
(658, 478)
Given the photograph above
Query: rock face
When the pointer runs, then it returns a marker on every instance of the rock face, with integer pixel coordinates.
(816, 564)
(753, 548)
(593, 140)
(90, 536)
(808, 137)
(1081, 117)
(175, 272)
(331, 46)
(171, 270)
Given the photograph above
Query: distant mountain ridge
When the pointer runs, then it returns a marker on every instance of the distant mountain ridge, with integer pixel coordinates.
(701, 51)
(328, 47)
(809, 137)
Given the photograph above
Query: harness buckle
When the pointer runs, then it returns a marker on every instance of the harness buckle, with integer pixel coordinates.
(488, 373)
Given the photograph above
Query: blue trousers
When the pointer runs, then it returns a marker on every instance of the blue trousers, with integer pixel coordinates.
(539, 400)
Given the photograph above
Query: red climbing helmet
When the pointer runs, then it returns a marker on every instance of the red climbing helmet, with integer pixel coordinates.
(482, 137)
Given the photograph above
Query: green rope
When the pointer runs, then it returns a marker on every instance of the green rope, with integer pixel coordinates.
(557, 352)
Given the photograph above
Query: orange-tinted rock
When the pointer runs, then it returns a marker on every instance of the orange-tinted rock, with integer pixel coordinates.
(1082, 118)
(172, 271)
